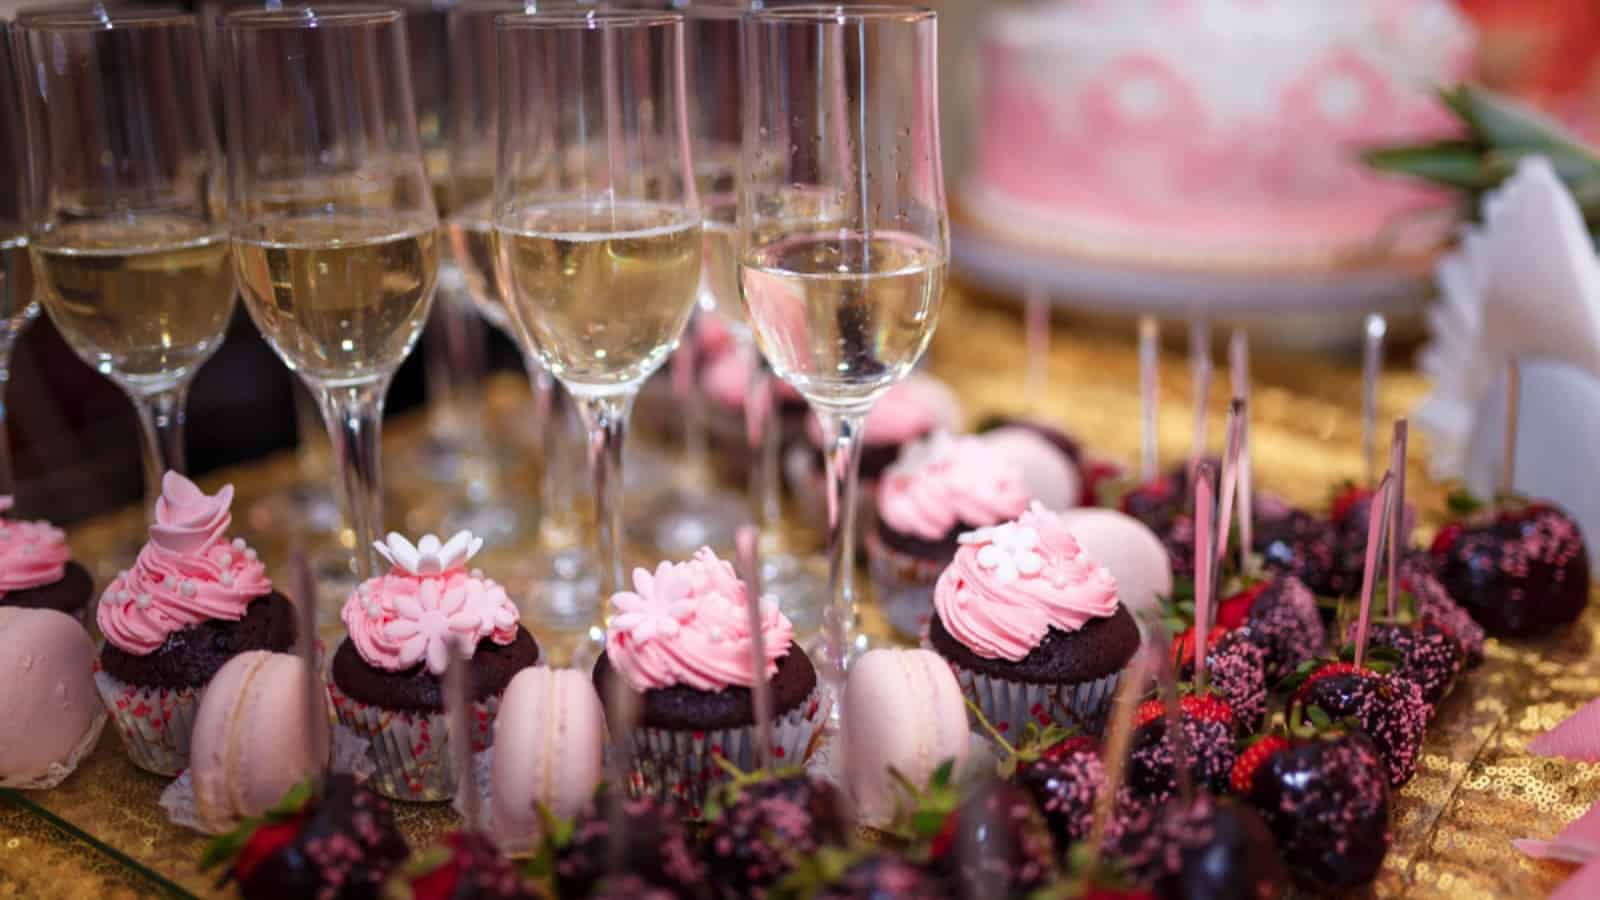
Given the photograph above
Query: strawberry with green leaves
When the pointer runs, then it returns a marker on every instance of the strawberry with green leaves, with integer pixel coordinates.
(464, 865)
(340, 845)
(577, 855)
(986, 839)
(1204, 847)
(759, 826)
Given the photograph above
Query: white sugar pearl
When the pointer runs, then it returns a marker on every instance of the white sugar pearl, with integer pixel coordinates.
(477, 573)
(226, 579)
(188, 589)
(225, 559)
(238, 543)
(143, 601)
(250, 554)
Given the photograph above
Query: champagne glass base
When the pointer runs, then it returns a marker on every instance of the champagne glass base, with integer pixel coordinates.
(681, 520)
(800, 585)
(559, 594)
(302, 506)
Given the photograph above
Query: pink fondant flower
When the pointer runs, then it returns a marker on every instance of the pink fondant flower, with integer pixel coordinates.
(424, 625)
(658, 605)
(187, 518)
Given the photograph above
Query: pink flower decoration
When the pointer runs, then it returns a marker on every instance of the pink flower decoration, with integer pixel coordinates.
(424, 625)
(657, 607)
(187, 518)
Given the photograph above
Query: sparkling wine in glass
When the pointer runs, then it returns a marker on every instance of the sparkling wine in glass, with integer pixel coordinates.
(843, 236)
(335, 236)
(127, 220)
(17, 304)
(596, 214)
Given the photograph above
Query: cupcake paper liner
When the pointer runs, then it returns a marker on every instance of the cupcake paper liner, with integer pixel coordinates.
(154, 722)
(411, 749)
(905, 585)
(350, 756)
(682, 764)
(57, 772)
(1011, 705)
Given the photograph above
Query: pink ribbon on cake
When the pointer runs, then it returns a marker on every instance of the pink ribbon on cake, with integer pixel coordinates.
(1011, 583)
(948, 482)
(187, 572)
(687, 623)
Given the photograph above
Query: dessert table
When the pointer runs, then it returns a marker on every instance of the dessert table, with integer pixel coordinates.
(102, 834)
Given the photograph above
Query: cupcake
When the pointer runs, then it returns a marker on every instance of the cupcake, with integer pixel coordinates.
(387, 676)
(1031, 625)
(907, 412)
(193, 600)
(680, 642)
(940, 488)
(37, 571)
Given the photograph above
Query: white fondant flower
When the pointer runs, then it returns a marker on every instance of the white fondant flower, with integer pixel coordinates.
(429, 556)
(657, 607)
(426, 623)
(1010, 550)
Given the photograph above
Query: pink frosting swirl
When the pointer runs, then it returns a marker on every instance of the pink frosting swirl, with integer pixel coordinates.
(187, 573)
(32, 554)
(688, 623)
(944, 482)
(406, 617)
(1010, 584)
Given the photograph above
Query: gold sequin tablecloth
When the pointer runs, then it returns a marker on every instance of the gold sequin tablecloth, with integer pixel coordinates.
(1452, 826)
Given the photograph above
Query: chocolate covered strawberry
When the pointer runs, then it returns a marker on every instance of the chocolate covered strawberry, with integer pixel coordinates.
(1387, 708)
(1279, 615)
(994, 844)
(464, 865)
(1205, 848)
(757, 828)
(1518, 567)
(835, 874)
(1209, 730)
(1325, 797)
(1307, 547)
(1436, 607)
(1065, 782)
(1425, 654)
(1236, 665)
(656, 847)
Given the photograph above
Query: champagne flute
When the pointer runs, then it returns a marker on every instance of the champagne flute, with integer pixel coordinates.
(715, 45)
(841, 103)
(128, 222)
(333, 222)
(17, 305)
(596, 215)
(561, 576)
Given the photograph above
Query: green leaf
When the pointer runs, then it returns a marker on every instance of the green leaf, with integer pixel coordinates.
(224, 848)
(1319, 717)
(1463, 503)
(1452, 163)
(943, 774)
(927, 823)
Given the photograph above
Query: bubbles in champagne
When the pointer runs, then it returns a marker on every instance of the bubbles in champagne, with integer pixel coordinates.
(840, 315)
(603, 289)
(341, 297)
(145, 298)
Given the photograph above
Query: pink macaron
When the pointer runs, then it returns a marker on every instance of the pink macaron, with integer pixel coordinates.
(252, 737)
(1133, 553)
(48, 703)
(903, 710)
(548, 740)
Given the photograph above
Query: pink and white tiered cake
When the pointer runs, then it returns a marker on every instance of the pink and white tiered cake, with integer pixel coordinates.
(1211, 133)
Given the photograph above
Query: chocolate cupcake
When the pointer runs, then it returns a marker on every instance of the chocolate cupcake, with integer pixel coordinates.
(1031, 625)
(37, 571)
(192, 601)
(680, 643)
(387, 676)
(909, 411)
(940, 488)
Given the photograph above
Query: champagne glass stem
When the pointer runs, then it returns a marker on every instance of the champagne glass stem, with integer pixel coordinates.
(762, 430)
(354, 416)
(8, 482)
(557, 530)
(161, 418)
(606, 418)
(842, 431)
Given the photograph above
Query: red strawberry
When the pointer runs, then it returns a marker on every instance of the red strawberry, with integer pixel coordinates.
(265, 841)
(1234, 611)
(1253, 758)
(1446, 538)
(1078, 743)
(1200, 707)
(1327, 671)
(1183, 645)
(1347, 499)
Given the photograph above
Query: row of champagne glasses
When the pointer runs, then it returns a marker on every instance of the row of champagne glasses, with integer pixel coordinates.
(589, 244)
